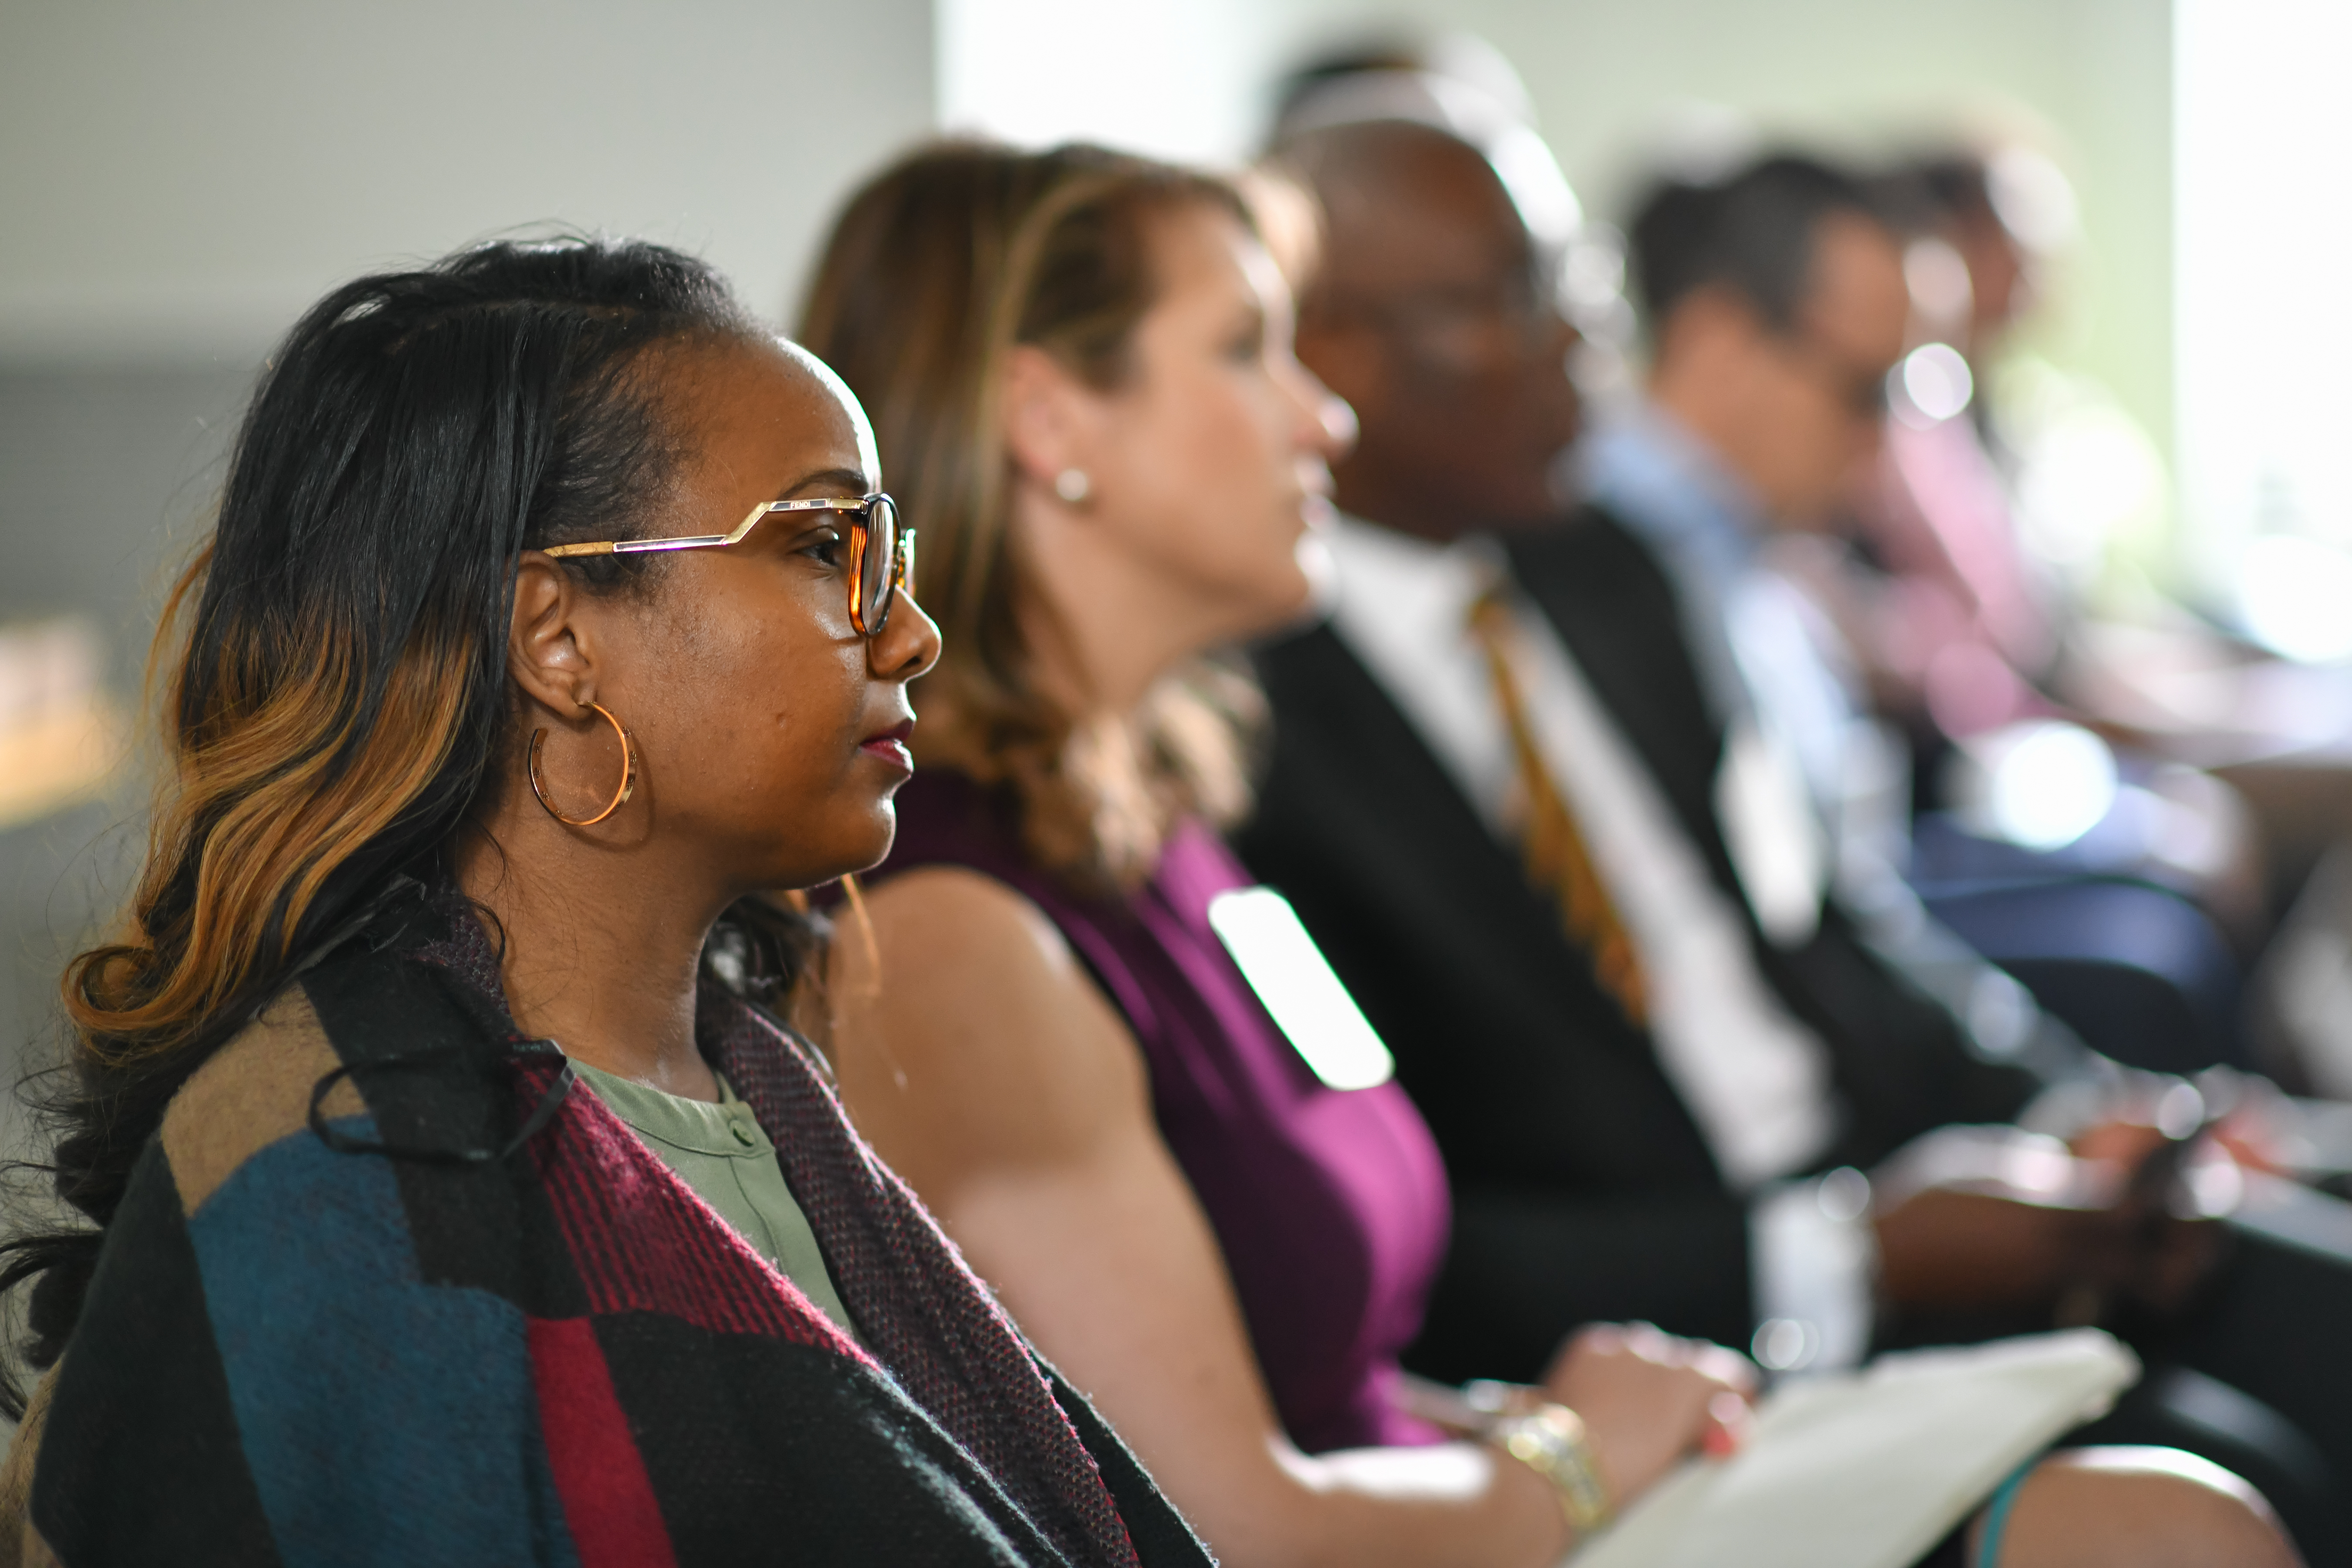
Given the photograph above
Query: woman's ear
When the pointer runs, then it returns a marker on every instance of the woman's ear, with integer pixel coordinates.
(551, 656)
(1049, 415)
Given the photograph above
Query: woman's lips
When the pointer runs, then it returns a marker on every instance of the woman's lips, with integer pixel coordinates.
(890, 745)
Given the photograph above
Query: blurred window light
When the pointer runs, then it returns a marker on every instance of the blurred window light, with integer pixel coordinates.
(61, 736)
(2261, 246)
(1146, 76)
(1498, 127)
(1935, 385)
(1785, 1344)
(2088, 474)
(2296, 595)
(2041, 784)
(1593, 295)
(1937, 280)
(1594, 272)
(1523, 161)
(2034, 199)
(1844, 1195)
(1291, 976)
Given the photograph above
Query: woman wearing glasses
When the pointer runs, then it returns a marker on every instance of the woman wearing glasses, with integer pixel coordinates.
(1080, 366)
(454, 1196)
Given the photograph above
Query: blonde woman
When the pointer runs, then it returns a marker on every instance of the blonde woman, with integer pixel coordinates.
(1079, 365)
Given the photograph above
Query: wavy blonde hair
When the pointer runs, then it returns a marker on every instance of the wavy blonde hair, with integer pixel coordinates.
(939, 268)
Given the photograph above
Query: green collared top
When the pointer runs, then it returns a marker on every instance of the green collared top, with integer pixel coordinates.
(722, 1152)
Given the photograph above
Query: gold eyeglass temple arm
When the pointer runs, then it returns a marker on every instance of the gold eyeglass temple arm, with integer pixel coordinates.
(708, 541)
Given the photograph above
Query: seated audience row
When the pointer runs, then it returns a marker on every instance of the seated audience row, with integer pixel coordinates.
(1049, 1037)
(1529, 791)
(458, 1191)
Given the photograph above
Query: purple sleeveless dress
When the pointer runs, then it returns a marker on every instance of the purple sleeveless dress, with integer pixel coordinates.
(1330, 1204)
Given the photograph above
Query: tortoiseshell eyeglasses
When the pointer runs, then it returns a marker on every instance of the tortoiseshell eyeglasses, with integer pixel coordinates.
(881, 553)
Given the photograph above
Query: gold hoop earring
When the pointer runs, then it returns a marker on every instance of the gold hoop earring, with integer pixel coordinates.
(620, 797)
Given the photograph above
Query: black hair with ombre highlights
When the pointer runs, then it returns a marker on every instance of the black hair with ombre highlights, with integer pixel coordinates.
(334, 661)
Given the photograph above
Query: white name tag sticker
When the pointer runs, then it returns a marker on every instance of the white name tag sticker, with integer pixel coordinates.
(1775, 841)
(1295, 982)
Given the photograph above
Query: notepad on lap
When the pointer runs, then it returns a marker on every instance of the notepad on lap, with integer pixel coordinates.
(1870, 1469)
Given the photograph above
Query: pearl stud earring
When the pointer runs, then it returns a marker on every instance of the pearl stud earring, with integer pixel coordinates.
(1072, 486)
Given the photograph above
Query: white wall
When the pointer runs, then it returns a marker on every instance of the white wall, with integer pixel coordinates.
(179, 180)
(1174, 79)
(2265, 246)
(1603, 72)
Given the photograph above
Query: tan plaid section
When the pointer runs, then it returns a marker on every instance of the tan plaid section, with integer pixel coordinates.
(253, 1092)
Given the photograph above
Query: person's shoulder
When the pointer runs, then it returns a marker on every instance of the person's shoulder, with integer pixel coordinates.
(973, 1005)
(959, 919)
(961, 944)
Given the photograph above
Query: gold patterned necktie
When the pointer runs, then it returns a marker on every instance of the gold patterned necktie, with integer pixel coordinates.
(1553, 850)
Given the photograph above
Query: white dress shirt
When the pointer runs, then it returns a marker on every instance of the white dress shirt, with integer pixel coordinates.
(1756, 1081)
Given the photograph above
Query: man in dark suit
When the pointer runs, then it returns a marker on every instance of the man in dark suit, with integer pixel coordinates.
(1551, 853)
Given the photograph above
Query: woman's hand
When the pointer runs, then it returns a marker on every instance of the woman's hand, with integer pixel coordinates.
(1648, 1399)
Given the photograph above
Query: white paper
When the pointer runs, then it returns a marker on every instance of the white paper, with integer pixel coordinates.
(1870, 1469)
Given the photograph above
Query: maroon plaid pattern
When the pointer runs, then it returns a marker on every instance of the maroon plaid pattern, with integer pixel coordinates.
(644, 1241)
(464, 950)
(641, 1242)
(926, 1314)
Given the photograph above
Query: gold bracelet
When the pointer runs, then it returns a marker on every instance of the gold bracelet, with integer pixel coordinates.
(1552, 1441)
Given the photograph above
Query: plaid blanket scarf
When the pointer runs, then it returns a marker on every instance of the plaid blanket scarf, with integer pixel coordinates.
(506, 1343)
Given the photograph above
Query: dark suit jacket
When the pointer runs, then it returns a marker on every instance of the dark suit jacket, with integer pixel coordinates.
(1582, 1187)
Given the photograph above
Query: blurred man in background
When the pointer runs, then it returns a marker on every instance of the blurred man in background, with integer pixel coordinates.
(1961, 630)
(1779, 311)
(1524, 793)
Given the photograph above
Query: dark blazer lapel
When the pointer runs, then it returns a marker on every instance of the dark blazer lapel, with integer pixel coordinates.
(1899, 1058)
(1515, 1052)
(1618, 616)
(1582, 1189)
